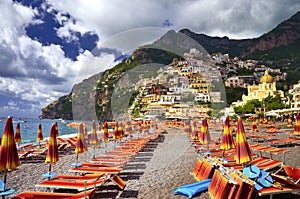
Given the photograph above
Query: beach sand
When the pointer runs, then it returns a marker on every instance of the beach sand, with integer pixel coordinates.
(164, 164)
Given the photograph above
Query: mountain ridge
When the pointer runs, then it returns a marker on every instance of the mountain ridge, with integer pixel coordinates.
(278, 47)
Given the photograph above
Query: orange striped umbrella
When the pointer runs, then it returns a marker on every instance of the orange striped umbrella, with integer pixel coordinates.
(254, 126)
(242, 152)
(105, 132)
(297, 126)
(52, 152)
(39, 134)
(94, 139)
(116, 135)
(290, 122)
(204, 136)
(9, 159)
(227, 140)
(128, 128)
(81, 145)
(194, 130)
(56, 129)
(187, 127)
(18, 133)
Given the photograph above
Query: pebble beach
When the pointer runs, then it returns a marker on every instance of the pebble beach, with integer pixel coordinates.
(164, 164)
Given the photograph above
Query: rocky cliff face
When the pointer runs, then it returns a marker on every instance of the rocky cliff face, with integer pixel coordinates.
(60, 108)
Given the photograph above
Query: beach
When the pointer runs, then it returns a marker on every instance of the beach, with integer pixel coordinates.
(164, 164)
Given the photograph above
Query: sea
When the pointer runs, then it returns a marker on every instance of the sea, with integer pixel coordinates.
(29, 128)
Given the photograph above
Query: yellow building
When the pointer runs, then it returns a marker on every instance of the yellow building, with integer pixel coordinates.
(198, 83)
(266, 87)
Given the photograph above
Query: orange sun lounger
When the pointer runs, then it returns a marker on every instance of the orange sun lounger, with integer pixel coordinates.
(79, 185)
(53, 195)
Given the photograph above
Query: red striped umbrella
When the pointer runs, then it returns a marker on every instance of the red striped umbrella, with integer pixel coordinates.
(56, 129)
(9, 159)
(290, 122)
(194, 130)
(94, 139)
(254, 126)
(227, 140)
(81, 145)
(40, 136)
(52, 152)
(105, 132)
(204, 136)
(116, 135)
(297, 126)
(187, 127)
(242, 152)
(128, 128)
(18, 133)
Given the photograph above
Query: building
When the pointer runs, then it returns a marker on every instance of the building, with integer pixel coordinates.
(295, 92)
(266, 87)
(234, 81)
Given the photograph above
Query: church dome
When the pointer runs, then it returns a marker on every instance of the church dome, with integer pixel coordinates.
(266, 78)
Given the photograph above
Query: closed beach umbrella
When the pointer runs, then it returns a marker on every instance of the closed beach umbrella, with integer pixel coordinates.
(194, 130)
(116, 135)
(40, 136)
(242, 150)
(187, 127)
(18, 133)
(94, 139)
(52, 152)
(297, 126)
(81, 146)
(254, 126)
(56, 129)
(227, 140)
(204, 136)
(128, 128)
(290, 122)
(9, 159)
(105, 132)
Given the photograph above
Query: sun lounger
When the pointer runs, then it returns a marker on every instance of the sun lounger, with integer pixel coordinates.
(79, 185)
(107, 170)
(282, 185)
(53, 195)
(261, 162)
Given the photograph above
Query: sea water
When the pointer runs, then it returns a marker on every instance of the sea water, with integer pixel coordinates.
(29, 128)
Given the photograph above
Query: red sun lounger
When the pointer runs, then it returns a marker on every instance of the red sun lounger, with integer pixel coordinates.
(46, 195)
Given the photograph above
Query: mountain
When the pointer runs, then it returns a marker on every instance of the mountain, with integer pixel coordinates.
(279, 48)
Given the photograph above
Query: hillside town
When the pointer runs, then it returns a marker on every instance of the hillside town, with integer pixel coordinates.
(192, 87)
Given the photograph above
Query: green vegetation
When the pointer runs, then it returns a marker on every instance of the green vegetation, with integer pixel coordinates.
(270, 103)
(234, 94)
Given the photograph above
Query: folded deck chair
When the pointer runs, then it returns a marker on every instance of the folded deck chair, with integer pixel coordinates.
(206, 170)
(197, 167)
(219, 186)
(53, 195)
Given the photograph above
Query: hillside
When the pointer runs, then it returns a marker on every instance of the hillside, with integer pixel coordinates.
(279, 48)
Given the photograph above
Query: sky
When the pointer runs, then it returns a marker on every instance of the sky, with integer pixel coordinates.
(46, 46)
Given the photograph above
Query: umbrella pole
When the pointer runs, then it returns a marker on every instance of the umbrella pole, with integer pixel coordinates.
(4, 188)
(5, 176)
(49, 168)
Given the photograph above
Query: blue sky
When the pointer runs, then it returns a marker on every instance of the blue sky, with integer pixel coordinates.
(45, 45)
